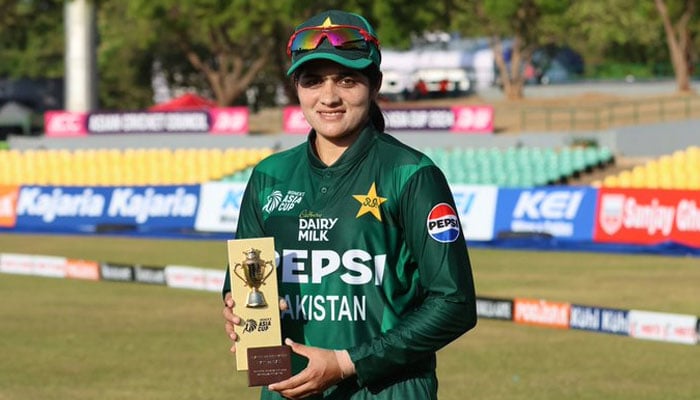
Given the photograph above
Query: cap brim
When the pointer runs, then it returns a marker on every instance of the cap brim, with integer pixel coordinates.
(360, 63)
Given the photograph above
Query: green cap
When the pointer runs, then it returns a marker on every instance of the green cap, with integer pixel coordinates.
(351, 58)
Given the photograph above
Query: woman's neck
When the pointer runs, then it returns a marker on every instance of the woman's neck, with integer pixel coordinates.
(330, 151)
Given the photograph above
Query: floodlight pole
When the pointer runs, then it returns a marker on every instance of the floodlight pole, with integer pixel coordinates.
(80, 61)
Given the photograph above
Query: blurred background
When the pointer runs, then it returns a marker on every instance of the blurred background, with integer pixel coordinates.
(84, 55)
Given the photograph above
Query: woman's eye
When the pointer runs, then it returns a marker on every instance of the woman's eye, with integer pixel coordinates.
(347, 82)
(309, 82)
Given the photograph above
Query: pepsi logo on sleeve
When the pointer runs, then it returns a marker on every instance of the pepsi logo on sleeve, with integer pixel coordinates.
(443, 223)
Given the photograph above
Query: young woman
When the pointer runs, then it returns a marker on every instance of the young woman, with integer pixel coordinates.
(373, 267)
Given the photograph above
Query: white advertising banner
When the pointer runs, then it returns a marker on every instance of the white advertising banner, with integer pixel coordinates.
(52, 267)
(219, 207)
(184, 277)
(677, 328)
(476, 207)
(214, 279)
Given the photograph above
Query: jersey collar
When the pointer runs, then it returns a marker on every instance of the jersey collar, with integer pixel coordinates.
(352, 155)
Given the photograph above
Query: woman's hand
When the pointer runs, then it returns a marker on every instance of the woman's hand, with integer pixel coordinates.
(231, 319)
(323, 371)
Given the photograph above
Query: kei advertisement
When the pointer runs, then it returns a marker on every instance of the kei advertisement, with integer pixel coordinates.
(565, 213)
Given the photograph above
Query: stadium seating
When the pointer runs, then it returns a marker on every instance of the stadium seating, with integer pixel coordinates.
(132, 166)
(517, 166)
(679, 170)
(510, 167)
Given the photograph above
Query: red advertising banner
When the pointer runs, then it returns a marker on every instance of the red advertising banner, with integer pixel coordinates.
(294, 121)
(229, 120)
(8, 206)
(65, 123)
(473, 119)
(648, 217)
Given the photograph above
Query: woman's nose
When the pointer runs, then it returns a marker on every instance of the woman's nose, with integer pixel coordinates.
(329, 95)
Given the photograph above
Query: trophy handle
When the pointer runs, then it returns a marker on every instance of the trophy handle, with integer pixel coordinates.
(235, 271)
(270, 271)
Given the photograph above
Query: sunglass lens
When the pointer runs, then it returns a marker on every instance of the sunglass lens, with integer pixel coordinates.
(343, 38)
(346, 39)
(306, 40)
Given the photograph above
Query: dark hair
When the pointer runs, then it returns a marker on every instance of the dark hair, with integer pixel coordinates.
(375, 112)
(376, 116)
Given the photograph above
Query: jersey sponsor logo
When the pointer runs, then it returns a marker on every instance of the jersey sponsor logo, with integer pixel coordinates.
(315, 229)
(277, 202)
(369, 203)
(443, 223)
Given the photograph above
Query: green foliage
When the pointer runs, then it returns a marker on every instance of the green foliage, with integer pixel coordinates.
(4, 145)
(618, 70)
(230, 38)
(31, 38)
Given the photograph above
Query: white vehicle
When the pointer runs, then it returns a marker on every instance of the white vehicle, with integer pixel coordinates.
(396, 85)
(447, 80)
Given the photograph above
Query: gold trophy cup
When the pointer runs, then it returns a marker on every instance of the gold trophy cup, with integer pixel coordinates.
(255, 272)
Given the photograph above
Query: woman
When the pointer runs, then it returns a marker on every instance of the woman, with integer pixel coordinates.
(373, 266)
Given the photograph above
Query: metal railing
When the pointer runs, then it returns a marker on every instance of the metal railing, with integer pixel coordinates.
(609, 114)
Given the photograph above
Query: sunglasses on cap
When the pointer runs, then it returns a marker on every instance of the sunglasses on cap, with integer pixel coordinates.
(344, 37)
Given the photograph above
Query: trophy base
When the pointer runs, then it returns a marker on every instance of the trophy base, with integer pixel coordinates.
(268, 365)
(256, 300)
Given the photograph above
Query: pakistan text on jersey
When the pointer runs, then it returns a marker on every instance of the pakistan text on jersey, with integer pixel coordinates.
(332, 308)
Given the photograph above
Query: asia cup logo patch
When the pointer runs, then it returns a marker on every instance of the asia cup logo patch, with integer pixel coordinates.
(443, 223)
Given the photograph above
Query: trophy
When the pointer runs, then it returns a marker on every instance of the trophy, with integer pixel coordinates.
(259, 348)
(254, 276)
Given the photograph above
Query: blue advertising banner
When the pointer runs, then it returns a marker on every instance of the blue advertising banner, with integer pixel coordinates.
(85, 209)
(566, 213)
(604, 320)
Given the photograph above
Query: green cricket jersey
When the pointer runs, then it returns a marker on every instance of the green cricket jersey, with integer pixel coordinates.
(372, 259)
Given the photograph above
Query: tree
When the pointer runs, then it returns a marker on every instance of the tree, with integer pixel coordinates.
(31, 38)
(227, 42)
(619, 31)
(522, 26)
(677, 22)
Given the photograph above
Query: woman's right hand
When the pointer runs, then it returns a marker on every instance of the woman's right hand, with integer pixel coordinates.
(231, 319)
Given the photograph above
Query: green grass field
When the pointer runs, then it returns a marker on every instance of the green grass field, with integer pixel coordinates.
(66, 339)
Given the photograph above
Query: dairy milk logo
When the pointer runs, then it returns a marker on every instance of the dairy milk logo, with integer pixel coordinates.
(443, 223)
(611, 212)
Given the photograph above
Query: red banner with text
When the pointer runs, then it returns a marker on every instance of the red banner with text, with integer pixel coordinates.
(648, 217)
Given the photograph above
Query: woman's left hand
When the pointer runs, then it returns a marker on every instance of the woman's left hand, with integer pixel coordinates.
(322, 372)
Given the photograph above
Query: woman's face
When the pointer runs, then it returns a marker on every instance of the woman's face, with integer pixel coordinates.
(335, 99)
